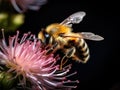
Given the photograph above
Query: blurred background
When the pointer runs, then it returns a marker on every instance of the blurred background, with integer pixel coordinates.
(101, 72)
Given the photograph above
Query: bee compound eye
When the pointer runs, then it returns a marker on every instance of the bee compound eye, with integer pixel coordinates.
(47, 35)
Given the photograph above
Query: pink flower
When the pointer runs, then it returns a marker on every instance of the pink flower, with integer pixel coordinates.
(26, 57)
(22, 5)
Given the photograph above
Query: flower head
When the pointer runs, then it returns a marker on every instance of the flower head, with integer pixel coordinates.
(25, 57)
(22, 5)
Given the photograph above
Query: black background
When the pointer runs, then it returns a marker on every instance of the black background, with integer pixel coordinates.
(101, 72)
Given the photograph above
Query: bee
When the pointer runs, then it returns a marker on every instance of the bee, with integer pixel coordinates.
(60, 37)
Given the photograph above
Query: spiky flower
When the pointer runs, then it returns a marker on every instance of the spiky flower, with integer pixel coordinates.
(26, 58)
(22, 5)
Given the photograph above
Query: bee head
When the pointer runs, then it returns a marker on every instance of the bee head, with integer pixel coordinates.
(44, 36)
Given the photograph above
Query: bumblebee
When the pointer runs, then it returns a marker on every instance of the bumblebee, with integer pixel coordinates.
(59, 36)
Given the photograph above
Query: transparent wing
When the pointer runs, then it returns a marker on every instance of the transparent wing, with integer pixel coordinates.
(91, 36)
(74, 18)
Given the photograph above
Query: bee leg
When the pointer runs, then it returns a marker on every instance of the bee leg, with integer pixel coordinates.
(51, 49)
(70, 52)
(63, 61)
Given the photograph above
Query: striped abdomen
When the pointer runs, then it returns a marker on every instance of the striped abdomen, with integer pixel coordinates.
(82, 51)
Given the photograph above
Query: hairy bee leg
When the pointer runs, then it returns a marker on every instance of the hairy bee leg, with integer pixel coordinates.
(68, 54)
(52, 48)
